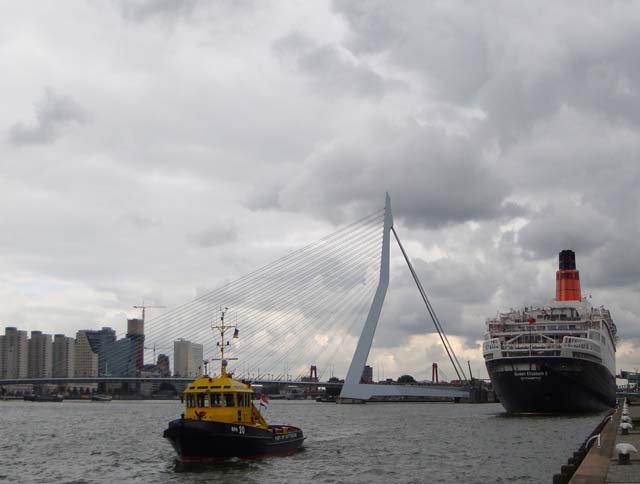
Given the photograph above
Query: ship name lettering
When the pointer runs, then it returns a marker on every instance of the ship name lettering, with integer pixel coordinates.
(530, 373)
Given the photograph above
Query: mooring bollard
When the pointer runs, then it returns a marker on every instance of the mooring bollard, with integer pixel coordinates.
(624, 453)
(625, 427)
(560, 479)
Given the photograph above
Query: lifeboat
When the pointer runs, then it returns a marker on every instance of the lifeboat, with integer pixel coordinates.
(220, 420)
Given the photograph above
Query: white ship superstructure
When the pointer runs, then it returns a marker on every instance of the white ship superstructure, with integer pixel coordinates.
(561, 329)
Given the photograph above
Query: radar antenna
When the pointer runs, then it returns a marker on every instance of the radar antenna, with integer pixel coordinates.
(221, 327)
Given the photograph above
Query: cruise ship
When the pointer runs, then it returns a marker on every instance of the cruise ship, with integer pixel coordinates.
(559, 358)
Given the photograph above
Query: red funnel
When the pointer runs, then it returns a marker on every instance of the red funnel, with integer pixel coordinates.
(567, 278)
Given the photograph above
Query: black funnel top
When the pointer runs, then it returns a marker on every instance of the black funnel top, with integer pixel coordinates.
(567, 260)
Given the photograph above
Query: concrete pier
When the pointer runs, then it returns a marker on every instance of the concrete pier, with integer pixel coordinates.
(600, 465)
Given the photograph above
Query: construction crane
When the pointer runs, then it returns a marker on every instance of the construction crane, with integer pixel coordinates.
(143, 307)
(154, 350)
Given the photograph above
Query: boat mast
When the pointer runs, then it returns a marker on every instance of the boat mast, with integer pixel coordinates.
(221, 327)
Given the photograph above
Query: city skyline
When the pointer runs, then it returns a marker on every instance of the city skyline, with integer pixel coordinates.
(33, 354)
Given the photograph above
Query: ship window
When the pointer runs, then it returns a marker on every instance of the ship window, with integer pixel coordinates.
(190, 400)
(228, 400)
(243, 400)
(215, 400)
(201, 400)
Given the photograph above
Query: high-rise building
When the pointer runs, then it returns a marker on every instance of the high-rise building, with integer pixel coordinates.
(40, 355)
(120, 359)
(100, 340)
(135, 333)
(63, 356)
(86, 360)
(187, 358)
(15, 352)
(163, 365)
(2, 359)
(367, 374)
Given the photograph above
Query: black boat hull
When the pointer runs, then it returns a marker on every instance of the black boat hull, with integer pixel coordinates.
(552, 385)
(201, 441)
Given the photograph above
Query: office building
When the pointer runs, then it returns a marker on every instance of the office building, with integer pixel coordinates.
(367, 374)
(100, 340)
(63, 356)
(121, 358)
(14, 352)
(135, 333)
(163, 365)
(187, 358)
(86, 360)
(2, 362)
(40, 361)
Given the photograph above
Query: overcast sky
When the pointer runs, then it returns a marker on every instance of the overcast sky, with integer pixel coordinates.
(156, 149)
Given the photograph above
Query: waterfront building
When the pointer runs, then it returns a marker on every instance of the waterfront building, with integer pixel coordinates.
(63, 356)
(86, 360)
(187, 358)
(40, 361)
(135, 333)
(367, 374)
(100, 340)
(149, 387)
(163, 365)
(14, 352)
(120, 359)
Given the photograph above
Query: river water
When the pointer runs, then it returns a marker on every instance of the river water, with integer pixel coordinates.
(87, 442)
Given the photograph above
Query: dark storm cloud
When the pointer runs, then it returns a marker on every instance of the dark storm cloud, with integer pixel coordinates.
(618, 263)
(564, 226)
(331, 70)
(440, 41)
(519, 62)
(54, 112)
(434, 178)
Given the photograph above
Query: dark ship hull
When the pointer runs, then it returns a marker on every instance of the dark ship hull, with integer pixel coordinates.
(552, 385)
(43, 398)
(201, 441)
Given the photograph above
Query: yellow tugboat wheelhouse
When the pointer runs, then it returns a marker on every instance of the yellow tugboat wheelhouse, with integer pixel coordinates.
(220, 420)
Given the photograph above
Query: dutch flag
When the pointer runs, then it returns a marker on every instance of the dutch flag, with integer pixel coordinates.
(264, 401)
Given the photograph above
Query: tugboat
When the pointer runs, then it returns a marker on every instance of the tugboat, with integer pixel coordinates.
(220, 420)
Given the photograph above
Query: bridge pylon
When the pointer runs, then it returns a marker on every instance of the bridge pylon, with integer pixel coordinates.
(355, 392)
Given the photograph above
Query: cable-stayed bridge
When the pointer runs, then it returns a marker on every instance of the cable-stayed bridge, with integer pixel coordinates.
(307, 308)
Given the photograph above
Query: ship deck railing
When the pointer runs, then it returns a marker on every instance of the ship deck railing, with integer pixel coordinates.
(569, 342)
(540, 328)
(581, 344)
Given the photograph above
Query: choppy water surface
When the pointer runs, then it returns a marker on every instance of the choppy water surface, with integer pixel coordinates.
(84, 442)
